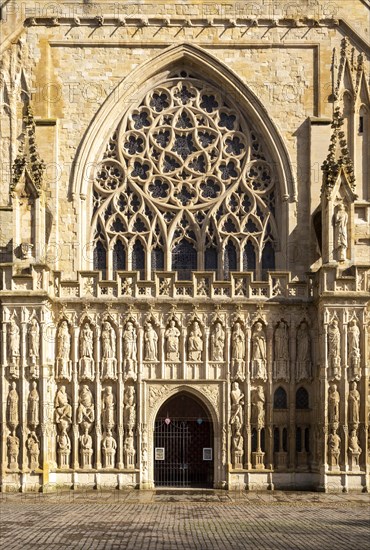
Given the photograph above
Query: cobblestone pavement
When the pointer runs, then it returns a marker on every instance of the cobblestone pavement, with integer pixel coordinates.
(166, 520)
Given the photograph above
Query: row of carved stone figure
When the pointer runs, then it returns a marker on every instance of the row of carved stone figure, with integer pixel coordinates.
(334, 350)
(195, 349)
(85, 419)
(33, 421)
(334, 441)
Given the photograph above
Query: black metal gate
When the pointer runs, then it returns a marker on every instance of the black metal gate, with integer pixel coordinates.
(183, 453)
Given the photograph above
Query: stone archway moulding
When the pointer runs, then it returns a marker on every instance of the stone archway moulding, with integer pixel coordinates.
(165, 392)
(142, 78)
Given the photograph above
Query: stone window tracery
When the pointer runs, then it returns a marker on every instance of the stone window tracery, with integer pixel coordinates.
(185, 180)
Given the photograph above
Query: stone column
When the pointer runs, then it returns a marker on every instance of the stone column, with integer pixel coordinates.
(161, 355)
(75, 388)
(206, 354)
(269, 439)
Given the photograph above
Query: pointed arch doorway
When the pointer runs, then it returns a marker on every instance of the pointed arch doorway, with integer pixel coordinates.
(183, 443)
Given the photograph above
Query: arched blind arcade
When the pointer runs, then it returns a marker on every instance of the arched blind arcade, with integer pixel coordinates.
(184, 173)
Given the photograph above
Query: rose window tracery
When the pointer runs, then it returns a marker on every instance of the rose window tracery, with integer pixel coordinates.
(184, 173)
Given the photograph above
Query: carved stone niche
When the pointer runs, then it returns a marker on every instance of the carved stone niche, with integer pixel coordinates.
(86, 362)
(238, 351)
(63, 359)
(354, 451)
(258, 352)
(108, 351)
(129, 350)
(33, 338)
(195, 342)
(13, 348)
(334, 450)
(334, 350)
(354, 351)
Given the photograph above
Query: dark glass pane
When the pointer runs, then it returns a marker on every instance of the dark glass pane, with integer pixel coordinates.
(184, 259)
(210, 262)
(298, 440)
(138, 257)
(157, 259)
(276, 440)
(254, 440)
(230, 259)
(301, 399)
(249, 257)
(268, 258)
(307, 440)
(119, 256)
(280, 399)
(285, 439)
(100, 258)
(263, 438)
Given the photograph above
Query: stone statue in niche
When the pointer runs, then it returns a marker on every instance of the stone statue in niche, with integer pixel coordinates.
(333, 405)
(130, 350)
(340, 231)
(64, 449)
(354, 451)
(34, 345)
(129, 410)
(86, 362)
(259, 353)
(237, 446)
(12, 406)
(109, 361)
(64, 364)
(237, 402)
(108, 409)
(63, 410)
(129, 451)
(238, 351)
(33, 406)
(303, 364)
(12, 444)
(109, 446)
(353, 444)
(85, 409)
(258, 407)
(354, 351)
(217, 343)
(14, 348)
(354, 405)
(334, 449)
(172, 336)
(150, 343)
(86, 448)
(195, 343)
(281, 352)
(33, 448)
(334, 350)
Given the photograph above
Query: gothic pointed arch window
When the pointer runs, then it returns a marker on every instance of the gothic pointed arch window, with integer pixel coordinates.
(185, 183)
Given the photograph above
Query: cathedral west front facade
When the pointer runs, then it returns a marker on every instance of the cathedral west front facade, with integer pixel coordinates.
(185, 245)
